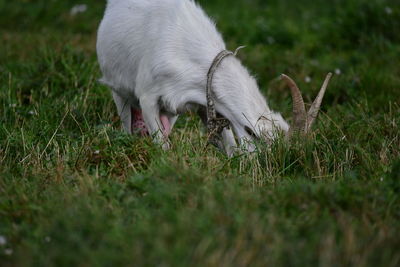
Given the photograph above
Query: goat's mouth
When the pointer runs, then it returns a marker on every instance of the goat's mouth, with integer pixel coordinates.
(250, 132)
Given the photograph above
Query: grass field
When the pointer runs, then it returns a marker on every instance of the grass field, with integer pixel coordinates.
(77, 191)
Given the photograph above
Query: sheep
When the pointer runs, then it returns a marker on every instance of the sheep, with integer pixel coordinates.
(159, 59)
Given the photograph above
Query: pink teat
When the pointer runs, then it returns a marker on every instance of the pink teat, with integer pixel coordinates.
(138, 126)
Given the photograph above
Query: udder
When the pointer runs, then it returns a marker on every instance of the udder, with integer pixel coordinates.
(139, 127)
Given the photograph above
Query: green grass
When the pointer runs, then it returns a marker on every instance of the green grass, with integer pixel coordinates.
(76, 190)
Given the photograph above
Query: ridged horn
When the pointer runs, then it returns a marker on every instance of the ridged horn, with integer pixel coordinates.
(316, 105)
(299, 110)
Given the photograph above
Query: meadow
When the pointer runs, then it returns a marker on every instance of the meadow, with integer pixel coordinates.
(75, 190)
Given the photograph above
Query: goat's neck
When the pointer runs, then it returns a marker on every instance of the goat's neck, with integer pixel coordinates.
(236, 93)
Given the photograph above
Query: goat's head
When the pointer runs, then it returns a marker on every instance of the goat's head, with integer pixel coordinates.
(259, 122)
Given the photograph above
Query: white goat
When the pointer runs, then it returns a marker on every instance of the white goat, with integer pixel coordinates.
(155, 55)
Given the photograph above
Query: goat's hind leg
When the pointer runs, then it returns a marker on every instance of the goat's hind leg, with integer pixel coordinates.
(124, 111)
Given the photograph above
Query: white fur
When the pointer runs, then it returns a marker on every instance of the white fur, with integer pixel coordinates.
(155, 55)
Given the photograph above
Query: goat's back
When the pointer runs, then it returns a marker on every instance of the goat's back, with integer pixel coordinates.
(159, 41)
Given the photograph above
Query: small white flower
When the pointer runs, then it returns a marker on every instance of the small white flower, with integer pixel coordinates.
(8, 251)
(388, 10)
(32, 112)
(47, 239)
(338, 71)
(381, 179)
(96, 152)
(307, 79)
(78, 9)
(270, 40)
(3, 240)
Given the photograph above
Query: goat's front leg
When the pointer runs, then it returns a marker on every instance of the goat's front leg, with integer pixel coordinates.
(157, 126)
(229, 142)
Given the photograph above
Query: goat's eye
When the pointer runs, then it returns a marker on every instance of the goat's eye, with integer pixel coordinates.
(250, 132)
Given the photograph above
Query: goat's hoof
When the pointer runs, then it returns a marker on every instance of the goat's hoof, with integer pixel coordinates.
(166, 146)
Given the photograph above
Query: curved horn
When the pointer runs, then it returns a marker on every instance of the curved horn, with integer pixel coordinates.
(299, 110)
(314, 109)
